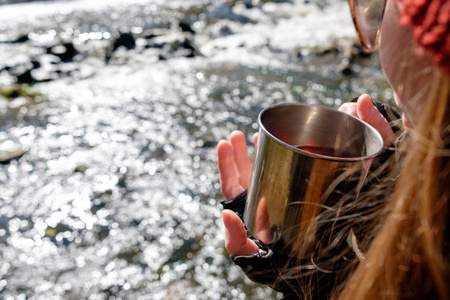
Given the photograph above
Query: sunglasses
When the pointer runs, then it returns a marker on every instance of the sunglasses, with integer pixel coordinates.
(367, 16)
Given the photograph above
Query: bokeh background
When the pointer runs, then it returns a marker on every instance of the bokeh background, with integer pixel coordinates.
(110, 112)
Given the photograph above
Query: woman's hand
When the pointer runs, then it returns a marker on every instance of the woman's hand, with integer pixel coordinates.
(235, 173)
(366, 111)
(235, 170)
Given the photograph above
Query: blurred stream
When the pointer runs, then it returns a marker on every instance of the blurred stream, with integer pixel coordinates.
(109, 117)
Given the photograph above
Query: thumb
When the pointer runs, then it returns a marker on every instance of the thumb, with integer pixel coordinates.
(369, 113)
(236, 240)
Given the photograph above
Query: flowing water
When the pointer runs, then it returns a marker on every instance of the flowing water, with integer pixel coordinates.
(115, 191)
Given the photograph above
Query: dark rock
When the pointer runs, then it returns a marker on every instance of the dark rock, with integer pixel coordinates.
(249, 4)
(208, 144)
(22, 39)
(66, 51)
(359, 51)
(122, 182)
(224, 11)
(345, 67)
(102, 231)
(81, 169)
(187, 44)
(225, 30)
(97, 205)
(126, 40)
(347, 70)
(155, 45)
(158, 153)
(185, 27)
(25, 77)
(97, 195)
(35, 63)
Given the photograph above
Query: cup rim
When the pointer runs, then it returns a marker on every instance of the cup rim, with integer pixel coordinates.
(320, 156)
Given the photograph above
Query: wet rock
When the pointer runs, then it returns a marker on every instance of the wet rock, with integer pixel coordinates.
(225, 30)
(102, 231)
(325, 50)
(185, 27)
(101, 194)
(158, 153)
(208, 144)
(35, 71)
(224, 11)
(97, 205)
(250, 4)
(22, 72)
(7, 156)
(122, 182)
(126, 40)
(21, 39)
(35, 63)
(80, 169)
(175, 45)
(188, 45)
(53, 231)
(345, 67)
(25, 77)
(155, 32)
(359, 51)
(65, 51)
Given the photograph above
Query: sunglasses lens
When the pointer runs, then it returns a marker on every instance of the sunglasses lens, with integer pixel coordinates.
(367, 16)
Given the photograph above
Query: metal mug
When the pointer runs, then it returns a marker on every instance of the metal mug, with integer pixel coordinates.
(303, 152)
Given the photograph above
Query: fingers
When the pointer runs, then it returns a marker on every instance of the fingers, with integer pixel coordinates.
(241, 158)
(236, 240)
(349, 108)
(255, 139)
(367, 112)
(229, 181)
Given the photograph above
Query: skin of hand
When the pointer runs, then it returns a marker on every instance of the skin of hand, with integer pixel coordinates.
(366, 111)
(235, 171)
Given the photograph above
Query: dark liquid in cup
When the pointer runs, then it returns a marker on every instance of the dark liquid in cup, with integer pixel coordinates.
(327, 151)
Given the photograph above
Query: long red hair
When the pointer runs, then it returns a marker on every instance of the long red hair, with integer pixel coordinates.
(410, 255)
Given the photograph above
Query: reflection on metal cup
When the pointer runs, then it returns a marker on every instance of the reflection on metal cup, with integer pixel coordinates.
(303, 153)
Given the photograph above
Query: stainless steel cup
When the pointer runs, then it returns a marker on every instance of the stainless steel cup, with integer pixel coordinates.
(303, 153)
